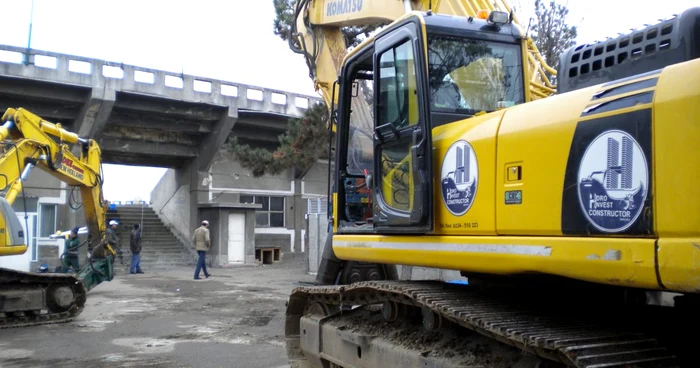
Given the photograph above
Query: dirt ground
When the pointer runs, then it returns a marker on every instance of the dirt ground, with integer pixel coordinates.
(164, 318)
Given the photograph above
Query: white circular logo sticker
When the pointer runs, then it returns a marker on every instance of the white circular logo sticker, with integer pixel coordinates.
(613, 181)
(460, 176)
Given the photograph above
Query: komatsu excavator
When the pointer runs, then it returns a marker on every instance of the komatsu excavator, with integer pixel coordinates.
(573, 209)
(27, 141)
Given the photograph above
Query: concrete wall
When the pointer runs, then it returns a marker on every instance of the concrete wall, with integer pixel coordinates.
(171, 201)
(315, 182)
(227, 173)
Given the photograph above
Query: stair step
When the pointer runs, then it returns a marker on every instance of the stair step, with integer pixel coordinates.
(130, 222)
(162, 250)
(137, 218)
(160, 246)
(165, 248)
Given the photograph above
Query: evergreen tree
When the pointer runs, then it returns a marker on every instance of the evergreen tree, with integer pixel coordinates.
(304, 142)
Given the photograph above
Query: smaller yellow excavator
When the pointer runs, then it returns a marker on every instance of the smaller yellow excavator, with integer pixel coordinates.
(26, 142)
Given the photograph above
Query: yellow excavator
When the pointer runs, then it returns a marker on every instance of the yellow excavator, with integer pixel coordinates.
(26, 142)
(571, 209)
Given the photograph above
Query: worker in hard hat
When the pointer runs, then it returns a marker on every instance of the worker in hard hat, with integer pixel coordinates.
(113, 239)
(70, 252)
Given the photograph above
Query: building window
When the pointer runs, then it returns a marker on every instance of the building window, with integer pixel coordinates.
(272, 212)
(317, 206)
(47, 220)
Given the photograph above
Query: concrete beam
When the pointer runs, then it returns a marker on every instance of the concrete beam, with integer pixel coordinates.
(51, 111)
(258, 121)
(258, 135)
(166, 123)
(96, 110)
(212, 142)
(147, 134)
(41, 90)
(165, 106)
(117, 158)
(132, 147)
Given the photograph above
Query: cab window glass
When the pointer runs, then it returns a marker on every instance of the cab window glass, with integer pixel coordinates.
(397, 87)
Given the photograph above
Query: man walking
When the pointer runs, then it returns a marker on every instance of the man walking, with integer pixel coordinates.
(202, 242)
(135, 245)
(70, 252)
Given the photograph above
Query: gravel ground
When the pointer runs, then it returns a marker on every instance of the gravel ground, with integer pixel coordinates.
(167, 319)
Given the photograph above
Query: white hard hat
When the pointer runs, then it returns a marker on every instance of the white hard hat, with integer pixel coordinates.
(113, 222)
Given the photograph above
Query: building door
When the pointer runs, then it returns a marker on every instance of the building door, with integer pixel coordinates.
(21, 262)
(236, 237)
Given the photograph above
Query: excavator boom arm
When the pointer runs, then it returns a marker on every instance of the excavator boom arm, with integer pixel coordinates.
(35, 142)
(317, 35)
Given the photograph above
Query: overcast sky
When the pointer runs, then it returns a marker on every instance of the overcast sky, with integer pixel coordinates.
(230, 40)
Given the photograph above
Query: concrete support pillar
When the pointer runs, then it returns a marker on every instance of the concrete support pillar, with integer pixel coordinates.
(212, 142)
(199, 190)
(96, 110)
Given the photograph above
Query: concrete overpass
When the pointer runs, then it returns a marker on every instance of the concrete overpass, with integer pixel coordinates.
(142, 116)
(148, 117)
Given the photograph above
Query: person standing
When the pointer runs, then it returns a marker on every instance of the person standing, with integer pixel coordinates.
(202, 242)
(113, 239)
(135, 245)
(70, 251)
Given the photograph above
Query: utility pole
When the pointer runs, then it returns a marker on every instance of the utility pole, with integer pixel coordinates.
(29, 41)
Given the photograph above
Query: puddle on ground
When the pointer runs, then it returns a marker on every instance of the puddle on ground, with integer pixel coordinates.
(113, 358)
(92, 326)
(145, 345)
(16, 354)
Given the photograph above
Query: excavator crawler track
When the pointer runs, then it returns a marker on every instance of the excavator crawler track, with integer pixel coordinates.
(50, 314)
(585, 336)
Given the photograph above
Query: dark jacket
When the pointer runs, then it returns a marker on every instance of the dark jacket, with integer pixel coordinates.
(135, 242)
(112, 238)
(71, 246)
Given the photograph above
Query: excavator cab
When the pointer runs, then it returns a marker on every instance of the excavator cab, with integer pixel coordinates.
(423, 71)
(12, 240)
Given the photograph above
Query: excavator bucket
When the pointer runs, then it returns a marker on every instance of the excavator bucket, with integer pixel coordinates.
(12, 240)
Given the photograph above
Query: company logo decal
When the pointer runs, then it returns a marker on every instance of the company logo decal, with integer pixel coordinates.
(460, 176)
(342, 7)
(70, 168)
(613, 181)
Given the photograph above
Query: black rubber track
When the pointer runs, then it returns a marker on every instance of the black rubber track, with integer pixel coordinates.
(19, 279)
(580, 336)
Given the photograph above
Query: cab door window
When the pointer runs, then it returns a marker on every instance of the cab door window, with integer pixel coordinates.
(398, 112)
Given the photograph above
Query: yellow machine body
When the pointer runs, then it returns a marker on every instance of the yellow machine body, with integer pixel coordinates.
(531, 211)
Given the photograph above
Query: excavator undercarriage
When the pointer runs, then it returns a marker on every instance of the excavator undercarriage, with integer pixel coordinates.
(399, 323)
(29, 299)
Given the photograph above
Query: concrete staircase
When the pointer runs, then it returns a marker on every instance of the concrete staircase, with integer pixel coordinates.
(159, 246)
